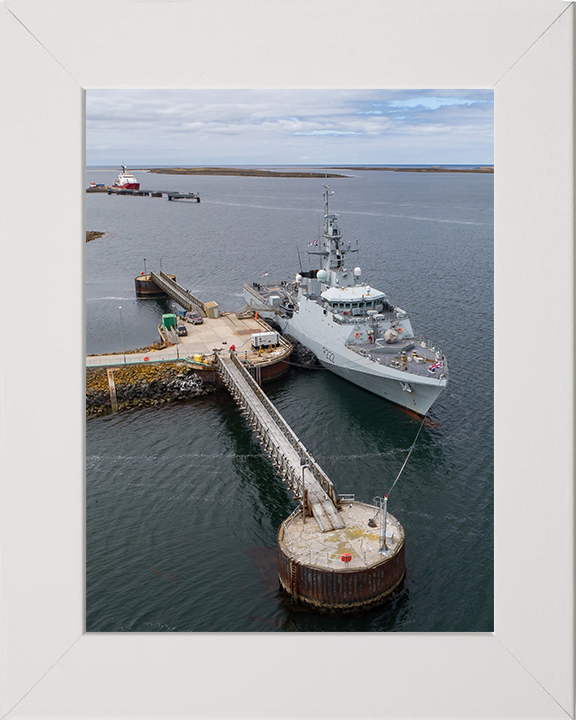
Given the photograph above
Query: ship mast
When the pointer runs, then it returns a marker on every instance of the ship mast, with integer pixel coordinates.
(327, 192)
(332, 237)
(330, 251)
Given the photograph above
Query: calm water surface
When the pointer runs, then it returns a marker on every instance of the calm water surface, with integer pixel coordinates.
(182, 505)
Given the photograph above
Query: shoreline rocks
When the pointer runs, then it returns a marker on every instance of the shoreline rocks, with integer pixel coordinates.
(145, 385)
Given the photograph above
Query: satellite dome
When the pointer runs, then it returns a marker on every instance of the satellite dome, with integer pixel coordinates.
(322, 275)
(298, 277)
(357, 272)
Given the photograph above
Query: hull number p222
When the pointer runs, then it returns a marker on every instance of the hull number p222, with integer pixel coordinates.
(329, 355)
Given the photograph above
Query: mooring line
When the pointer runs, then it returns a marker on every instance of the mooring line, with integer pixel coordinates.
(409, 453)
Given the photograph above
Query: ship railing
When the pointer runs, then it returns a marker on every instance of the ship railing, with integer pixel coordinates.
(252, 291)
(341, 320)
(261, 299)
(306, 457)
(265, 285)
(412, 367)
(350, 319)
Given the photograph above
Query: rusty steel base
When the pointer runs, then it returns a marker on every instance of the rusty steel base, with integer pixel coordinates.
(310, 566)
(146, 287)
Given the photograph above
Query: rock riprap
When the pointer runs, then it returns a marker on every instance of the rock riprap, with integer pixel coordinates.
(142, 386)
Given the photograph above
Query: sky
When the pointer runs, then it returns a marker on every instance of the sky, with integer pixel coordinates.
(289, 127)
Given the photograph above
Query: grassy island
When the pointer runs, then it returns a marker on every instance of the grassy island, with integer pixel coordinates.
(427, 169)
(243, 172)
(255, 172)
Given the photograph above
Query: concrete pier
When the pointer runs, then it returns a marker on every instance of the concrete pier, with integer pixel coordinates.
(170, 194)
(331, 553)
(202, 340)
(346, 569)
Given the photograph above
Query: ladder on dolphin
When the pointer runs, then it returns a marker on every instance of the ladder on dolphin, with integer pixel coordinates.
(306, 478)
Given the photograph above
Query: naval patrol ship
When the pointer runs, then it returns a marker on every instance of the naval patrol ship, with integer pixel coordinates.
(352, 328)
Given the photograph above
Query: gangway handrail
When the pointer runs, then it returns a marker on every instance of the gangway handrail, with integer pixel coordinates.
(286, 430)
(186, 293)
(288, 454)
(177, 292)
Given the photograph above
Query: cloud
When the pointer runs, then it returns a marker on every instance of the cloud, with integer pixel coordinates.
(276, 126)
(328, 132)
(431, 103)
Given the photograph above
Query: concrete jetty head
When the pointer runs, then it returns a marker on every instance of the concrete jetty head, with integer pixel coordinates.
(347, 569)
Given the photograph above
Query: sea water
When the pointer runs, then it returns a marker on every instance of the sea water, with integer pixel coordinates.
(183, 507)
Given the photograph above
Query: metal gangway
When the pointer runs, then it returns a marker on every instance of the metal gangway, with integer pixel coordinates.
(183, 297)
(305, 477)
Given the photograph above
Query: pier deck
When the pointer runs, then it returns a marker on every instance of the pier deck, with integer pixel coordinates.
(214, 333)
(309, 547)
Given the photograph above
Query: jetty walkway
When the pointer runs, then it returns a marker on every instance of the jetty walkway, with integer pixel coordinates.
(310, 483)
(331, 552)
(170, 194)
(183, 297)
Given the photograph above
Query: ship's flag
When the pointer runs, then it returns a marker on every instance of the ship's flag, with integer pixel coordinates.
(266, 273)
(436, 365)
(314, 242)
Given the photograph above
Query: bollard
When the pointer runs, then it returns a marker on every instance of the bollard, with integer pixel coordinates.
(112, 386)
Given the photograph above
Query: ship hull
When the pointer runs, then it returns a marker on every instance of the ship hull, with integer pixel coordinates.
(415, 393)
(420, 400)
(128, 186)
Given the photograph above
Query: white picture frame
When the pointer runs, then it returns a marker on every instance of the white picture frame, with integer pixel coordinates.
(50, 52)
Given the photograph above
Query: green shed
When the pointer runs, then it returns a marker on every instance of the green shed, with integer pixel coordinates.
(169, 321)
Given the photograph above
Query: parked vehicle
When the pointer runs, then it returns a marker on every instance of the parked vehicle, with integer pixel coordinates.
(181, 330)
(193, 317)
